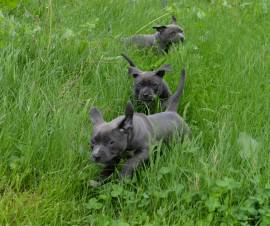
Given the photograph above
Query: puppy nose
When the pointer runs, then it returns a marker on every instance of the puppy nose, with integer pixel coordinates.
(145, 95)
(96, 158)
(182, 37)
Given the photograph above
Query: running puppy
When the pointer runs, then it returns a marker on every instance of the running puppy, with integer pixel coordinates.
(134, 133)
(162, 39)
(149, 85)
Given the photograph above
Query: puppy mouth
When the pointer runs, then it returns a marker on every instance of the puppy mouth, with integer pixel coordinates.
(96, 160)
(99, 163)
(179, 38)
(147, 99)
(102, 162)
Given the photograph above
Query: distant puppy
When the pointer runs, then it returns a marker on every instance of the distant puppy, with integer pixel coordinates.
(162, 39)
(134, 133)
(149, 85)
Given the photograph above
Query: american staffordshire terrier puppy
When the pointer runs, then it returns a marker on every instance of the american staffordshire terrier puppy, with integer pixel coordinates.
(135, 133)
(149, 86)
(165, 36)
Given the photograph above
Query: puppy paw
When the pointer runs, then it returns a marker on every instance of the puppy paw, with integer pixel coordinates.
(94, 183)
(125, 175)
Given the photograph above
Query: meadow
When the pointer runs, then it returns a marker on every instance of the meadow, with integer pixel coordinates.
(59, 58)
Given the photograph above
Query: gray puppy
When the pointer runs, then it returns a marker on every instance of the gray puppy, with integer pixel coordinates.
(149, 85)
(162, 39)
(134, 133)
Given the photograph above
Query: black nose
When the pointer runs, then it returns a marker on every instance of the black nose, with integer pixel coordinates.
(145, 95)
(96, 158)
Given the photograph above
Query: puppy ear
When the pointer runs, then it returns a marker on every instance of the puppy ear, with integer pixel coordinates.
(174, 20)
(95, 116)
(134, 71)
(160, 28)
(127, 122)
(161, 71)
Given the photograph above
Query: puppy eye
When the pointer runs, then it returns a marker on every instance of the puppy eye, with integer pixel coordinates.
(93, 142)
(111, 142)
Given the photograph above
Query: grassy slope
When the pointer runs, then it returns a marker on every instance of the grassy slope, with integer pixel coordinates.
(51, 75)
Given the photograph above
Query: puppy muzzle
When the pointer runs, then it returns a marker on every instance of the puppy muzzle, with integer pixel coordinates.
(181, 37)
(147, 99)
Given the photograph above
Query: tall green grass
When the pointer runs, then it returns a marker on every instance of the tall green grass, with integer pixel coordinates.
(59, 58)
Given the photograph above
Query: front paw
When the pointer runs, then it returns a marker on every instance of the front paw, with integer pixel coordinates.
(94, 183)
(125, 173)
(98, 182)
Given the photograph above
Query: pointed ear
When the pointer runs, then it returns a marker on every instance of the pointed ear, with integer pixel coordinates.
(127, 122)
(174, 20)
(96, 116)
(134, 71)
(161, 71)
(160, 28)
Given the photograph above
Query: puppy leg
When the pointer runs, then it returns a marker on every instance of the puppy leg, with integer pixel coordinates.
(164, 104)
(105, 174)
(131, 164)
(109, 169)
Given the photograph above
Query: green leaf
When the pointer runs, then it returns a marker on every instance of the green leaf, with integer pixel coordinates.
(248, 146)
(164, 170)
(178, 189)
(228, 184)
(11, 4)
(120, 223)
(103, 197)
(212, 204)
(160, 195)
(145, 195)
(68, 34)
(93, 204)
(117, 190)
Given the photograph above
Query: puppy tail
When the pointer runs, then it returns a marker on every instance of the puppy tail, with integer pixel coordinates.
(174, 99)
(131, 63)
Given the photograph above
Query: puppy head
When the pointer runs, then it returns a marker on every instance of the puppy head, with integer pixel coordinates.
(149, 85)
(110, 139)
(171, 33)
